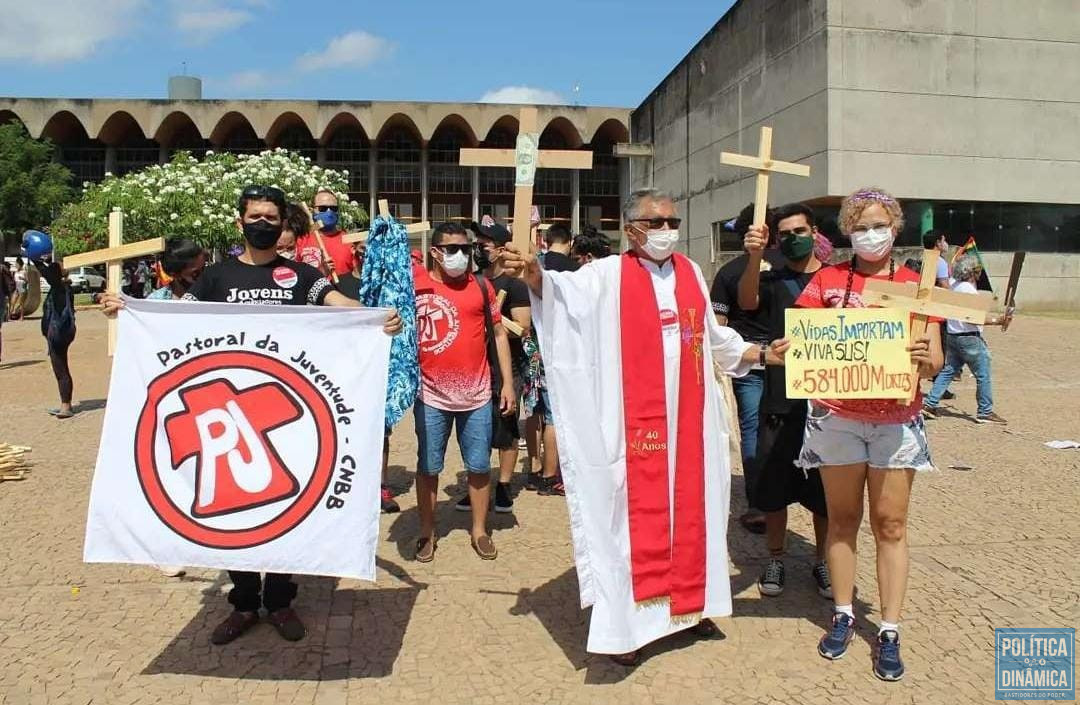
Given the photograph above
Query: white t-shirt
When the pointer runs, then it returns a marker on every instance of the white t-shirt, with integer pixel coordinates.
(955, 326)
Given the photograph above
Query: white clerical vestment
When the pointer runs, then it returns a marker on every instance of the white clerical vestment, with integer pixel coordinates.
(577, 321)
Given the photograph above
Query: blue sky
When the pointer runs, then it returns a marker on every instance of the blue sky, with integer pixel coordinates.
(427, 50)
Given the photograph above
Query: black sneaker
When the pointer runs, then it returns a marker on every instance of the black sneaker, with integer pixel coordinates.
(929, 412)
(551, 486)
(464, 504)
(771, 582)
(820, 571)
(834, 644)
(948, 395)
(504, 501)
(887, 663)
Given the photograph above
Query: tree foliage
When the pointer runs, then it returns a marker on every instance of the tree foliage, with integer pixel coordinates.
(33, 187)
(194, 198)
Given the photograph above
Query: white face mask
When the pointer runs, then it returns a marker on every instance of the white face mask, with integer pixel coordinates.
(873, 244)
(455, 265)
(659, 244)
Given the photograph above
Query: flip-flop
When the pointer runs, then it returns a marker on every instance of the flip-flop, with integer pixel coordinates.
(425, 550)
(61, 414)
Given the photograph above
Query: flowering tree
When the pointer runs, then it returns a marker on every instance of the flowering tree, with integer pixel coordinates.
(192, 198)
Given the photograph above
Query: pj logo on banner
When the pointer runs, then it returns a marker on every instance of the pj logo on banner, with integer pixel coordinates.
(242, 437)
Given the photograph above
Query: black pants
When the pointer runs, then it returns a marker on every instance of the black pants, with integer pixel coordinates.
(278, 591)
(58, 356)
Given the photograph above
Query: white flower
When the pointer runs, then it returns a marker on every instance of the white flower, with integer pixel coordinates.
(197, 223)
(91, 214)
(173, 216)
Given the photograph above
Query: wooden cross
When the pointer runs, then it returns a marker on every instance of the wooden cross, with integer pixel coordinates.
(510, 325)
(764, 164)
(526, 159)
(924, 300)
(384, 211)
(113, 258)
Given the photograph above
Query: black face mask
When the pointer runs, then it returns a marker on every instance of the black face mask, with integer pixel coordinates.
(482, 258)
(262, 235)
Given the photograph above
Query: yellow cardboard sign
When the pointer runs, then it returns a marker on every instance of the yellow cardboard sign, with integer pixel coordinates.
(848, 353)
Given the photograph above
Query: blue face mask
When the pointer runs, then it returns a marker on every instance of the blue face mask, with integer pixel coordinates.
(327, 220)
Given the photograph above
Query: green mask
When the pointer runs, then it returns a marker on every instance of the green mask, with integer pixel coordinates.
(796, 248)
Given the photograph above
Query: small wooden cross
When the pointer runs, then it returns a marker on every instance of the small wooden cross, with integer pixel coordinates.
(764, 164)
(924, 300)
(526, 159)
(384, 211)
(113, 258)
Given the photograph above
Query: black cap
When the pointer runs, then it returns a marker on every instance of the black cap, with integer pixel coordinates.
(494, 232)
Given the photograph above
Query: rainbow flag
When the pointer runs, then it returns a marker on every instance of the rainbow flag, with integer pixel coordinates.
(970, 248)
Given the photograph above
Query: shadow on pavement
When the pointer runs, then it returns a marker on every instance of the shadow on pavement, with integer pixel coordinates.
(351, 633)
(20, 363)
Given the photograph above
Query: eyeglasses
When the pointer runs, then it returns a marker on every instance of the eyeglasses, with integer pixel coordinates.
(323, 209)
(658, 223)
(454, 249)
(270, 193)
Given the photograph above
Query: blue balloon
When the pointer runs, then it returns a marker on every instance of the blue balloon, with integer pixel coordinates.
(36, 244)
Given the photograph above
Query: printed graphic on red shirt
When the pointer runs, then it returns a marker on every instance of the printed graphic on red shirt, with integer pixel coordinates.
(454, 371)
(341, 253)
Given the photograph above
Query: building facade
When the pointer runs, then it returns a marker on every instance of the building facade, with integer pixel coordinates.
(967, 110)
(404, 152)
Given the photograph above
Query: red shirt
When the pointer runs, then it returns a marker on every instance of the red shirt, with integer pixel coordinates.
(454, 372)
(308, 252)
(826, 290)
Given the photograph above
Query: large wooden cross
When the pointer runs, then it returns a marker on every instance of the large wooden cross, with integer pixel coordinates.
(113, 258)
(924, 300)
(526, 159)
(764, 164)
(384, 211)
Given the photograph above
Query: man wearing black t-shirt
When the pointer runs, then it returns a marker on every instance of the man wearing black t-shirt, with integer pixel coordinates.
(558, 241)
(261, 276)
(491, 240)
(777, 482)
(753, 326)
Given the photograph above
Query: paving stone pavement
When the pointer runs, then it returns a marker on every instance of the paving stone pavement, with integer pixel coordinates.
(991, 547)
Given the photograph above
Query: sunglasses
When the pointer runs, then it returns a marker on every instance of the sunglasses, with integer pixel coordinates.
(454, 249)
(268, 192)
(658, 223)
(323, 209)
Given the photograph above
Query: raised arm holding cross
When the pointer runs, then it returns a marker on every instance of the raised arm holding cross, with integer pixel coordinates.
(526, 158)
(764, 164)
(113, 258)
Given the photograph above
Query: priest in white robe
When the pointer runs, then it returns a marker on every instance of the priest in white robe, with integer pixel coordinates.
(629, 344)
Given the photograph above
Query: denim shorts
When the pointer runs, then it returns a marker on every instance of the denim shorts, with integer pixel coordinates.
(834, 440)
(433, 433)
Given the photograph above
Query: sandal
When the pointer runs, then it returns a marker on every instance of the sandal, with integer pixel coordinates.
(61, 414)
(485, 548)
(425, 550)
(707, 629)
(628, 660)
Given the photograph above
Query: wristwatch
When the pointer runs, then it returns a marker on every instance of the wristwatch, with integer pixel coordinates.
(762, 349)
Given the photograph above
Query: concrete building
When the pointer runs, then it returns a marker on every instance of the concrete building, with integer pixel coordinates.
(404, 152)
(967, 110)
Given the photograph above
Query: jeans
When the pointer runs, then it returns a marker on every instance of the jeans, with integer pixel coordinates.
(967, 350)
(748, 391)
(474, 430)
(278, 591)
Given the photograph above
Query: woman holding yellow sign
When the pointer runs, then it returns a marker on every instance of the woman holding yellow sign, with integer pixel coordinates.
(876, 444)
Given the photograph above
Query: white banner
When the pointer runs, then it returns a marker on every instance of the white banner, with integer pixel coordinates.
(242, 437)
